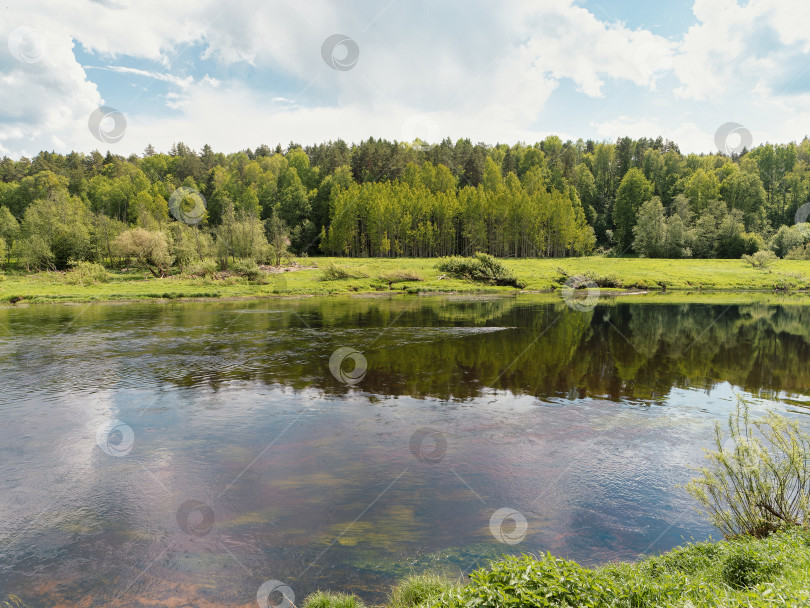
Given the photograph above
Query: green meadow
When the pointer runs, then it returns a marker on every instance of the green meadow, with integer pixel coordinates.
(317, 276)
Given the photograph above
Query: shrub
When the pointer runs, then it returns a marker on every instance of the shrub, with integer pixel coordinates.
(416, 590)
(400, 276)
(325, 599)
(247, 268)
(527, 581)
(482, 267)
(333, 272)
(206, 268)
(759, 481)
(761, 259)
(801, 252)
(150, 249)
(745, 566)
(86, 273)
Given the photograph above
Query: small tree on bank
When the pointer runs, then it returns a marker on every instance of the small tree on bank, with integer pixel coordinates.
(759, 479)
(149, 249)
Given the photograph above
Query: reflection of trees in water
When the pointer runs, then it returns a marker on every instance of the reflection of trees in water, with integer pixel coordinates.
(457, 348)
(617, 351)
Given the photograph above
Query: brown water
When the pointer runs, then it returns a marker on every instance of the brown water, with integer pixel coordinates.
(185, 454)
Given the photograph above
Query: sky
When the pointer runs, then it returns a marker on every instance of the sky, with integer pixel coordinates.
(121, 74)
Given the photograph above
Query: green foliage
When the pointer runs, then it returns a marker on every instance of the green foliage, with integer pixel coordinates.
(335, 272)
(761, 259)
(241, 236)
(400, 276)
(799, 253)
(35, 253)
(248, 269)
(150, 249)
(419, 589)
(742, 572)
(650, 231)
(482, 268)
(325, 599)
(12, 601)
(60, 225)
(9, 230)
(633, 191)
(528, 582)
(786, 239)
(379, 198)
(204, 268)
(759, 480)
(86, 273)
(747, 566)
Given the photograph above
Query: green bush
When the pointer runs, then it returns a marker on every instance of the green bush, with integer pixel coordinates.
(528, 582)
(746, 566)
(416, 590)
(325, 599)
(761, 259)
(802, 252)
(248, 269)
(206, 268)
(400, 276)
(334, 272)
(758, 481)
(482, 267)
(86, 273)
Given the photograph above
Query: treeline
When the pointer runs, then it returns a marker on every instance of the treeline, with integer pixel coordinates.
(381, 198)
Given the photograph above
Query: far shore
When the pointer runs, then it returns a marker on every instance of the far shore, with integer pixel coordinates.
(656, 279)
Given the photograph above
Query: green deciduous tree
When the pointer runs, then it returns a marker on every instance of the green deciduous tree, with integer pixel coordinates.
(633, 191)
(650, 231)
(150, 249)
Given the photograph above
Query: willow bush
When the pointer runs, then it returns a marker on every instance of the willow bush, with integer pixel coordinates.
(482, 267)
(758, 481)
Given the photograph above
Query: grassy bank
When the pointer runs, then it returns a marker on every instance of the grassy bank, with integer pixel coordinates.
(364, 275)
(743, 572)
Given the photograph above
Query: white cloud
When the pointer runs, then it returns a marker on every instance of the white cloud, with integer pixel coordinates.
(687, 135)
(476, 69)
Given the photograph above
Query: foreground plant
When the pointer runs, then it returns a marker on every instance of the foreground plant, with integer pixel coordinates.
(759, 479)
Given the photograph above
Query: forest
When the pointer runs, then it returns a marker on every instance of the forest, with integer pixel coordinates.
(380, 198)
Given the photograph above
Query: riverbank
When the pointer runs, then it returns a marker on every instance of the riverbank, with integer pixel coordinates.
(411, 275)
(740, 572)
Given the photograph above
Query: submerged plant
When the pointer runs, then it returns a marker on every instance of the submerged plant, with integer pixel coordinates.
(759, 479)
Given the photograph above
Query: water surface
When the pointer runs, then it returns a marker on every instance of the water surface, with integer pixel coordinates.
(185, 453)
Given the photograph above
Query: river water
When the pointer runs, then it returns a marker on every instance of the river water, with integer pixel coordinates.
(194, 453)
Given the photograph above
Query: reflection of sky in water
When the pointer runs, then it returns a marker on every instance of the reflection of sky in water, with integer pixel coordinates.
(316, 487)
